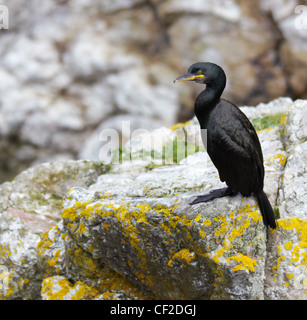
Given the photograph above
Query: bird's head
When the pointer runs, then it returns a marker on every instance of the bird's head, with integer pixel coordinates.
(205, 73)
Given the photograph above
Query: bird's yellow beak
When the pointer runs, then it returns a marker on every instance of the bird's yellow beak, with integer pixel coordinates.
(189, 77)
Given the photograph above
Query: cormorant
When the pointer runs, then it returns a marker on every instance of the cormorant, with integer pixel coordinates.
(232, 142)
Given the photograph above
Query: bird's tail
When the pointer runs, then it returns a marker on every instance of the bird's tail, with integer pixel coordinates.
(266, 210)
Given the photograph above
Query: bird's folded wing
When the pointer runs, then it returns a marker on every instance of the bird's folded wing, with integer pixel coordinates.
(236, 152)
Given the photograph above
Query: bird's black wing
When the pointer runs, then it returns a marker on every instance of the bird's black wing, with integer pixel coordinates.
(234, 148)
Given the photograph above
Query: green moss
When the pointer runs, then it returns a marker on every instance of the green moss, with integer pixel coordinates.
(267, 122)
(276, 213)
(56, 197)
(152, 166)
(177, 150)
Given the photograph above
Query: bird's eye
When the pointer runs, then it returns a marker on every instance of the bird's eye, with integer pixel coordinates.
(199, 72)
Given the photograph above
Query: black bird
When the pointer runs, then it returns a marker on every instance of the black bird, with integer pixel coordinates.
(232, 142)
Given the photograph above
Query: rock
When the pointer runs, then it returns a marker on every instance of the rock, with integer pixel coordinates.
(21, 276)
(182, 256)
(277, 106)
(290, 17)
(29, 206)
(59, 288)
(181, 240)
(229, 11)
(40, 189)
(29, 66)
(287, 248)
(292, 195)
(286, 261)
(129, 232)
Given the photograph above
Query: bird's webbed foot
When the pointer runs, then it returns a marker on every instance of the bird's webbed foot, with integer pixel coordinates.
(213, 194)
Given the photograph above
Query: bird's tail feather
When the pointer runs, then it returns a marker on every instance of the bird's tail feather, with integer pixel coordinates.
(266, 210)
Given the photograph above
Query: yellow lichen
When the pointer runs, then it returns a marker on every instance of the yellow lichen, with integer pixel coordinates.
(62, 289)
(184, 255)
(207, 222)
(298, 253)
(289, 275)
(288, 245)
(247, 210)
(220, 218)
(82, 228)
(233, 229)
(220, 232)
(218, 254)
(279, 259)
(237, 232)
(108, 296)
(69, 213)
(247, 263)
(282, 159)
(295, 255)
(283, 120)
(202, 233)
(179, 125)
(255, 215)
(83, 291)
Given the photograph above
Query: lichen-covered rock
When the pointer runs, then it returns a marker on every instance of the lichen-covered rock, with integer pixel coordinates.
(287, 249)
(130, 232)
(21, 276)
(286, 273)
(293, 193)
(29, 206)
(61, 257)
(36, 194)
(59, 288)
(165, 247)
(136, 220)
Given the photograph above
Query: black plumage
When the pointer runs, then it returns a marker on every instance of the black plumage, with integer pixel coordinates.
(231, 140)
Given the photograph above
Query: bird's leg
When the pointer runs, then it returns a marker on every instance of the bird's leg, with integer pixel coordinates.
(213, 194)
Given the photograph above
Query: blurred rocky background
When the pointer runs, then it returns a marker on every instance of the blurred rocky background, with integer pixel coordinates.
(71, 68)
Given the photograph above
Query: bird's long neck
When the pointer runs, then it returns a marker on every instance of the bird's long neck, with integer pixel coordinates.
(205, 103)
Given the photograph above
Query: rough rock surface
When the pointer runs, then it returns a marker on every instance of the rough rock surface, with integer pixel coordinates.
(30, 205)
(127, 231)
(70, 69)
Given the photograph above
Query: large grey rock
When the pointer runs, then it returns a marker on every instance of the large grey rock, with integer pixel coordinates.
(292, 195)
(130, 232)
(29, 206)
